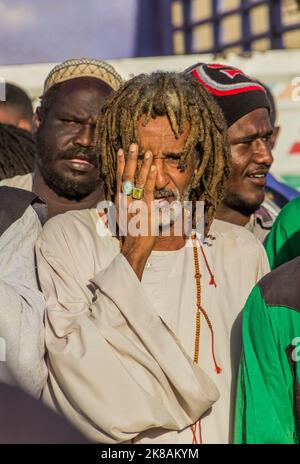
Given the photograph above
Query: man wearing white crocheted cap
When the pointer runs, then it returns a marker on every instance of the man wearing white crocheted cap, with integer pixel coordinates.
(66, 174)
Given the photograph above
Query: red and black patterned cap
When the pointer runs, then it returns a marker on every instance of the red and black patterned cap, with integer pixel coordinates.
(236, 93)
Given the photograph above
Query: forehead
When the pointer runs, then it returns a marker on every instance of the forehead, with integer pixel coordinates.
(86, 93)
(158, 135)
(256, 121)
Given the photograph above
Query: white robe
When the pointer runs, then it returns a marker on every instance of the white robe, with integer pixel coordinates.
(21, 307)
(120, 351)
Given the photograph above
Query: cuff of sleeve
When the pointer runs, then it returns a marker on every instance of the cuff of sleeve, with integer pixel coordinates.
(121, 285)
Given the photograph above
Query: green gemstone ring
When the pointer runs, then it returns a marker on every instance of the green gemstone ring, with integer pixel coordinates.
(127, 187)
(137, 193)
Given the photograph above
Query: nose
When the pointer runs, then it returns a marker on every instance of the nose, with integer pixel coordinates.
(262, 152)
(162, 177)
(85, 136)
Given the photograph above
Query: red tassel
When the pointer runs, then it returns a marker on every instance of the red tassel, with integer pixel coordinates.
(217, 368)
(212, 281)
(193, 429)
(200, 432)
(212, 277)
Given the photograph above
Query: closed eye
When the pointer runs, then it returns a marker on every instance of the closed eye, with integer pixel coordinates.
(173, 157)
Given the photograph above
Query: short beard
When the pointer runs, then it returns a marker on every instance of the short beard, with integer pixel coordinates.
(70, 189)
(234, 202)
(175, 210)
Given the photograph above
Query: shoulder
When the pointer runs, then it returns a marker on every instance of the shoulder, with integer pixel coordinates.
(21, 182)
(281, 286)
(289, 211)
(233, 233)
(70, 223)
(13, 204)
(73, 233)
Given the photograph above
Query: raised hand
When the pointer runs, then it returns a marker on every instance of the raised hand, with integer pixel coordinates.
(138, 242)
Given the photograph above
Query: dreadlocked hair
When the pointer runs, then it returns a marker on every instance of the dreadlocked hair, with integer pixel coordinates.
(181, 99)
(17, 151)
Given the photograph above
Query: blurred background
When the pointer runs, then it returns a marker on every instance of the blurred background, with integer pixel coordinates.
(260, 36)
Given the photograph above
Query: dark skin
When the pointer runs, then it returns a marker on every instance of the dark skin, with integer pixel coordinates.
(250, 140)
(68, 157)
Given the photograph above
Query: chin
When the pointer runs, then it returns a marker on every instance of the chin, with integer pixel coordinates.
(70, 187)
(245, 206)
(168, 218)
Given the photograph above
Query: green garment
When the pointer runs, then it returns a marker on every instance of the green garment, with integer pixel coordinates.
(283, 242)
(268, 390)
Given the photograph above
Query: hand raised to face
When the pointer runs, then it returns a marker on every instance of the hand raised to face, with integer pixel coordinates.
(137, 246)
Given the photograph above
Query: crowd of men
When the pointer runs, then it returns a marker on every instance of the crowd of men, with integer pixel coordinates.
(134, 229)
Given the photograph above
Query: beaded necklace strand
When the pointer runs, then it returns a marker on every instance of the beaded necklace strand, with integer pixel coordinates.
(199, 310)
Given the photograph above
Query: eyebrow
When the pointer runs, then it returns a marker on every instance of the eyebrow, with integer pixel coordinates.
(251, 137)
(65, 114)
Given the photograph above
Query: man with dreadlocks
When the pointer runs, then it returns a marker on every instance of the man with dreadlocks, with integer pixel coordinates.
(139, 323)
(66, 175)
(17, 151)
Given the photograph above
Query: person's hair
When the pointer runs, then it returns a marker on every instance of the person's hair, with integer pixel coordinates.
(181, 99)
(18, 100)
(17, 151)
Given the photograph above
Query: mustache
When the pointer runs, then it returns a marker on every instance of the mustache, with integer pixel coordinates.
(166, 193)
(83, 153)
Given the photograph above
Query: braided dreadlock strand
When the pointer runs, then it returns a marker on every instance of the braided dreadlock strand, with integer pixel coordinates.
(182, 100)
(17, 151)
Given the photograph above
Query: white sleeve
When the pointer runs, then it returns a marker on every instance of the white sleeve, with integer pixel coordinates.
(115, 368)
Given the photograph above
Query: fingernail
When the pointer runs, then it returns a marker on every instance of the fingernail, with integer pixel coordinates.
(147, 155)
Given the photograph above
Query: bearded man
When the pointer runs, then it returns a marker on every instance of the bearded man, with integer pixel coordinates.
(66, 175)
(139, 325)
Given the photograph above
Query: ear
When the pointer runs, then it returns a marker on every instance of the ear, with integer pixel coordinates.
(36, 121)
(275, 136)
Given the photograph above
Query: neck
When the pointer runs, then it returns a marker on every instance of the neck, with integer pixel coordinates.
(227, 214)
(169, 243)
(57, 204)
